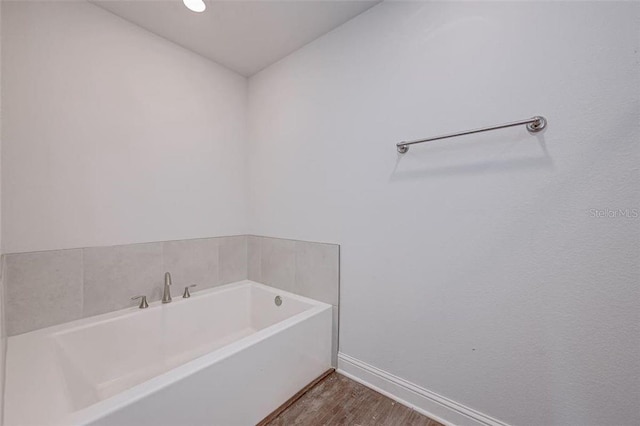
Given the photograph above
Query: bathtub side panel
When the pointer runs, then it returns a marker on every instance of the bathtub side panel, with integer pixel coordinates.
(241, 389)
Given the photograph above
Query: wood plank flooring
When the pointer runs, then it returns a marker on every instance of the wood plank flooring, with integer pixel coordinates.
(338, 401)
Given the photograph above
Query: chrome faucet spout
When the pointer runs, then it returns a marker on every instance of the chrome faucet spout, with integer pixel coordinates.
(166, 294)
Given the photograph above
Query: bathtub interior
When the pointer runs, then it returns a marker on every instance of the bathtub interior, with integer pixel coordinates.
(101, 359)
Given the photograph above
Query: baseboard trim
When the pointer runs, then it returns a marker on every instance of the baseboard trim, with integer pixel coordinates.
(424, 401)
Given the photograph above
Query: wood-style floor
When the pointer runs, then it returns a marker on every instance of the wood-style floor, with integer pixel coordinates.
(337, 400)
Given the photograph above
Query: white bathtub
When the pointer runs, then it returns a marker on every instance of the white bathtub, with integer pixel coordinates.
(226, 356)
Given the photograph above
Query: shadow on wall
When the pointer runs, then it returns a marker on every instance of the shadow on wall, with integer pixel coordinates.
(431, 165)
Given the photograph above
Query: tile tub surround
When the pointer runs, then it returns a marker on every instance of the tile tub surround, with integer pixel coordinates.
(306, 268)
(52, 287)
(42, 289)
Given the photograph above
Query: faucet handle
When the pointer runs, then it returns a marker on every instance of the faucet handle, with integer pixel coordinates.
(186, 293)
(143, 301)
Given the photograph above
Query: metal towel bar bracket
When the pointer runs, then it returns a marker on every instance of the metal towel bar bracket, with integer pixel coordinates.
(534, 125)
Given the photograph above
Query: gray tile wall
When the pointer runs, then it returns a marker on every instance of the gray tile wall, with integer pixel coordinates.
(42, 289)
(52, 287)
(306, 268)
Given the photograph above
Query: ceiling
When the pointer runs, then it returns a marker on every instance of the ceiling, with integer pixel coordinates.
(245, 36)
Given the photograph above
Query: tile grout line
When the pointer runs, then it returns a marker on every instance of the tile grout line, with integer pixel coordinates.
(260, 273)
(82, 313)
(246, 257)
(295, 264)
(218, 263)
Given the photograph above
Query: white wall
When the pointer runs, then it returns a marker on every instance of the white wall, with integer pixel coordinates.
(472, 267)
(113, 135)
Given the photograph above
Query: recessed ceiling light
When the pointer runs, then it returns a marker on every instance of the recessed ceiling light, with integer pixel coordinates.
(195, 5)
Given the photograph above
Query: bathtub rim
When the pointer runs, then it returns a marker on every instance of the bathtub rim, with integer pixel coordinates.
(141, 390)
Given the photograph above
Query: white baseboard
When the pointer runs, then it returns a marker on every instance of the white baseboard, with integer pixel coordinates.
(424, 401)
